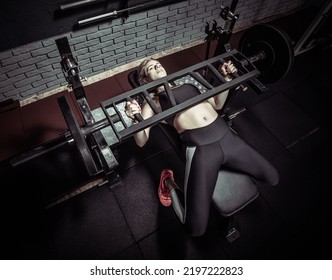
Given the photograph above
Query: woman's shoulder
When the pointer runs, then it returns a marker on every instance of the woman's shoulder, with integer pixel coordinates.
(155, 99)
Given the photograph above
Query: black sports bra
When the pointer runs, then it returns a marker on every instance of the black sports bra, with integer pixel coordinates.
(181, 93)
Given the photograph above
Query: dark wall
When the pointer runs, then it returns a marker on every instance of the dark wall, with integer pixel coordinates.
(23, 22)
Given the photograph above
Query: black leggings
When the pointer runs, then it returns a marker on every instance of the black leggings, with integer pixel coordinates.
(207, 150)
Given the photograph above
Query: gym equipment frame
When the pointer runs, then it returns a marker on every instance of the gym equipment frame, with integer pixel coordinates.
(308, 39)
(97, 153)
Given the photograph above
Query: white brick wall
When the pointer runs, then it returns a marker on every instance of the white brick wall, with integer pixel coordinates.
(34, 69)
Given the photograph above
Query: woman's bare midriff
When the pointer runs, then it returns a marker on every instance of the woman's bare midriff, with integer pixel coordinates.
(197, 116)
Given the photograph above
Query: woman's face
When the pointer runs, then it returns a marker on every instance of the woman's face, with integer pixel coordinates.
(154, 70)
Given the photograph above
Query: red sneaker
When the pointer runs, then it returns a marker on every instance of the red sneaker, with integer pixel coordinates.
(163, 191)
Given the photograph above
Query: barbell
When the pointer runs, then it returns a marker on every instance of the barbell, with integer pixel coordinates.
(97, 156)
(264, 52)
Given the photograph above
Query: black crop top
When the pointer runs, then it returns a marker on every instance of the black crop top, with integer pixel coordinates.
(181, 93)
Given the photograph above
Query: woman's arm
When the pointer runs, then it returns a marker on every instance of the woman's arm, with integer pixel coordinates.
(219, 100)
(132, 108)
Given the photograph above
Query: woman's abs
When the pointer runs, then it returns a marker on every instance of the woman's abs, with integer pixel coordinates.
(197, 116)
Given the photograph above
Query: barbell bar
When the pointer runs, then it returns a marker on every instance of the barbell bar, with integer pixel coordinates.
(265, 58)
(262, 47)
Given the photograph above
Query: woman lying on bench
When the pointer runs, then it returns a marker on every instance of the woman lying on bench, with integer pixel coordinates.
(208, 142)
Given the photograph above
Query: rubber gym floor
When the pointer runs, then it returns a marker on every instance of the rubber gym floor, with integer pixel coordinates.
(289, 124)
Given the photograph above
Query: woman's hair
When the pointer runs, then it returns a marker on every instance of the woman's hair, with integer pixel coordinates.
(141, 70)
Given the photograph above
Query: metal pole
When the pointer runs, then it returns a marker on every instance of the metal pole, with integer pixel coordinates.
(315, 24)
(79, 4)
(116, 13)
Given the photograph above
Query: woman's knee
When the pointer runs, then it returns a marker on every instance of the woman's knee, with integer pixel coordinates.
(272, 177)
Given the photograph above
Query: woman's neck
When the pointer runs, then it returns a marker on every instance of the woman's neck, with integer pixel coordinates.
(162, 88)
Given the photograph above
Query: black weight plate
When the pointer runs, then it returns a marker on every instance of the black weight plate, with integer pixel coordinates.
(276, 45)
(79, 138)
